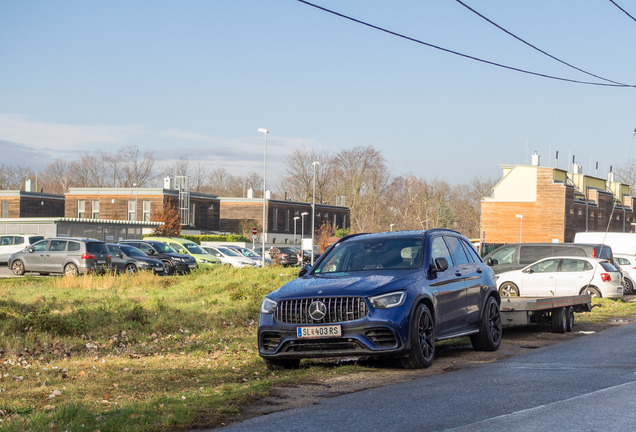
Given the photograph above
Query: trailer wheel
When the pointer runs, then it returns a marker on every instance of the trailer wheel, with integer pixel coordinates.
(569, 322)
(508, 289)
(559, 320)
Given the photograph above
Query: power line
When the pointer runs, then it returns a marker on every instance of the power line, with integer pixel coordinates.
(624, 11)
(458, 53)
(534, 47)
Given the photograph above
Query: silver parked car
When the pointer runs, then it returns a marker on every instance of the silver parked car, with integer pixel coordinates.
(68, 255)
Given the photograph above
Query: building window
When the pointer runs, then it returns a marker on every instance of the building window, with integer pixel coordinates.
(5, 209)
(81, 209)
(132, 210)
(95, 209)
(275, 221)
(146, 210)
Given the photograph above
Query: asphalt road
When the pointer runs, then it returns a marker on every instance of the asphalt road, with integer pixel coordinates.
(585, 384)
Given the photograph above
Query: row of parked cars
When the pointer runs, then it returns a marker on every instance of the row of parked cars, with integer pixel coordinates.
(561, 269)
(162, 255)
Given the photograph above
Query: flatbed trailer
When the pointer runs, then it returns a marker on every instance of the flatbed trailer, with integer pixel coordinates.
(558, 311)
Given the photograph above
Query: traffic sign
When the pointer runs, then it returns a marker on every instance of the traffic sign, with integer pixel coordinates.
(254, 231)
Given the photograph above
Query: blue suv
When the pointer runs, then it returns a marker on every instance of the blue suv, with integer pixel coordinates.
(383, 295)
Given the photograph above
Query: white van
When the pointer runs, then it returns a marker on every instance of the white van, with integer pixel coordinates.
(12, 243)
(621, 243)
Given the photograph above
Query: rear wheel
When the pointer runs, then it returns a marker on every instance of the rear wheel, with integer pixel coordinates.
(422, 336)
(490, 328)
(282, 364)
(559, 320)
(70, 269)
(508, 289)
(629, 286)
(17, 268)
(592, 290)
(131, 269)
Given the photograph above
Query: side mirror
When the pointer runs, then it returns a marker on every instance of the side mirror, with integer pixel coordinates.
(440, 265)
(303, 271)
(119, 255)
(30, 250)
(152, 252)
(490, 262)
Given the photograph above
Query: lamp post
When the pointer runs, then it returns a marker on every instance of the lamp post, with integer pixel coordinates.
(313, 213)
(302, 227)
(295, 223)
(136, 186)
(520, 227)
(264, 131)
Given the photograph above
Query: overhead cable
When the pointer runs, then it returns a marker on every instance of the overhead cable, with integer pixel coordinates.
(624, 11)
(534, 47)
(458, 53)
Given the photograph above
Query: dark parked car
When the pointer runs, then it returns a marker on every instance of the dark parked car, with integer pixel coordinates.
(67, 255)
(383, 295)
(130, 259)
(282, 255)
(173, 262)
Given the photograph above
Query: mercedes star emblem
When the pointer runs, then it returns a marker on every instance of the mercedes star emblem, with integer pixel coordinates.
(317, 310)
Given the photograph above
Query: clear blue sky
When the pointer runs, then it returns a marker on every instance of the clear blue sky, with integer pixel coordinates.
(198, 78)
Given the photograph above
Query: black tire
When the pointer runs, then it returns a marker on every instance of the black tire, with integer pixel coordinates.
(131, 268)
(422, 337)
(508, 289)
(17, 267)
(629, 287)
(168, 268)
(282, 364)
(559, 320)
(490, 328)
(70, 270)
(592, 290)
(569, 322)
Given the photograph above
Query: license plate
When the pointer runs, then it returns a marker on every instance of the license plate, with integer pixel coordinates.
(192, 265)
(319, 331)
(101, 261)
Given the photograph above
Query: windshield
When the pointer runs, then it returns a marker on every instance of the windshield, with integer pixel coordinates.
(163, 248)
(133, 251)
(249, 253)
(229, 252)
(194, 248)
(373, 254)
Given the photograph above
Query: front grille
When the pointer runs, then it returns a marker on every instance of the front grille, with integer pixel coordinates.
(338, 309)
(324, 345)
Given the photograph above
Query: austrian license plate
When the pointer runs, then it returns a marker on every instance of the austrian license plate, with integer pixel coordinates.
(192, 265)
(319, 331)
(101, 261)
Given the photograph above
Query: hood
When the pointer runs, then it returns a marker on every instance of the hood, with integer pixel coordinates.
(345, 285)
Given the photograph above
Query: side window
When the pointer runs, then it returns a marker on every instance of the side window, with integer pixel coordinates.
(572, 265)
(57, 245)
(504, 255)
(18, 240)
(39, 246)
(472, 254)
(604, 252)
(456, 250)
(547, 266)
(73, 246)
(569, 251)
(529, 254)
(622, 261)
(6, 240)
(145, 248)
(440, 250)
(115, 250)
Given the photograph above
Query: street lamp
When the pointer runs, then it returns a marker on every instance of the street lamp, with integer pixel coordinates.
(135, 185)
(264, 131)
(295, 223)
(313, 213)
(302, 226)
(520, 227)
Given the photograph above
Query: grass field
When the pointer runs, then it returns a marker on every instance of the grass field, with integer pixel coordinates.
(143, 352)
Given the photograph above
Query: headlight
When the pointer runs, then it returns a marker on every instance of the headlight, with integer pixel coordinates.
(268, 306)
(386, 301)
(204, 261)
(177, 259)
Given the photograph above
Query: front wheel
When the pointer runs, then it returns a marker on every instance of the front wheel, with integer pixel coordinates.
(422, 336)
(490, 328)
(168, 268)
(508, 289)
(131, 269)
(17, 268)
